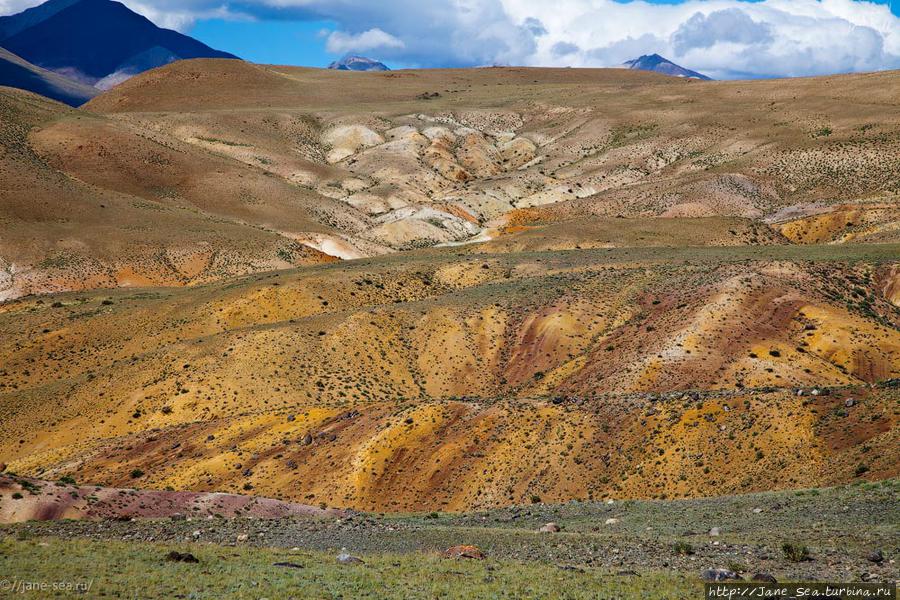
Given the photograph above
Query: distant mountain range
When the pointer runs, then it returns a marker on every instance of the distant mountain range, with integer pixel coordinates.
(358, 63)
(96, 43)
(658, 64)
(18, 72)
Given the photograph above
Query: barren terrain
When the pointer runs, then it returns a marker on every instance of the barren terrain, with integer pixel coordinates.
(451, 290)
(212, 168)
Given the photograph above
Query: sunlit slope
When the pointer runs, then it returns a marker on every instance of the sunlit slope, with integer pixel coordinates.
(205, 169)
(88, 203)
(448, 155)
(432, 371)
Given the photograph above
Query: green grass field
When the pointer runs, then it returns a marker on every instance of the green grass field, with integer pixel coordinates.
(139, 570)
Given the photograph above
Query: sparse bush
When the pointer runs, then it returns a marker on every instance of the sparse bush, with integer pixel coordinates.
(136, 474)
(682, 548)
(861, 469)
(795, 552)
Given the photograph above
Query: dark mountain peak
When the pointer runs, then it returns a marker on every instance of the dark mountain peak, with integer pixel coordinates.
(13, 24)
(97, 40)
(353, 62)
(660, 64)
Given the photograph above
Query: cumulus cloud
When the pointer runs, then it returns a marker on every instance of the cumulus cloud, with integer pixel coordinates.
(339, 42)
(729, 25)
(564, 49)
(723, 38)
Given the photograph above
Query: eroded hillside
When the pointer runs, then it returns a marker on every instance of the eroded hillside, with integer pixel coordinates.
(207, 169)
(568, 284)
(451, 380)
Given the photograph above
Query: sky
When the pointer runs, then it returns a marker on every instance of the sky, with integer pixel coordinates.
(726, 39)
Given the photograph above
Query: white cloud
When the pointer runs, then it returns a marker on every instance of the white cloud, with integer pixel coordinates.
(727, 25)
(339, 42)
(723, 38)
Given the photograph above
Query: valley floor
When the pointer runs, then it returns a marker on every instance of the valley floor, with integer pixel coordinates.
(619, 549)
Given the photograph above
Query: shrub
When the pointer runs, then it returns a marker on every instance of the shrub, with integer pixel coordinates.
(683, 549)
(860, 469)
(137, 473)
(795, 552)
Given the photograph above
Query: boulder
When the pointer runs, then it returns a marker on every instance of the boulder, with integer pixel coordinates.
(345, 558)
(719, 575)
(876, 557)
(714, 532)
(457, 552)
(185, 557)
(549, 528)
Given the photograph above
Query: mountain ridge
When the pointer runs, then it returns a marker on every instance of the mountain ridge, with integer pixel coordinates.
(660, 64)
(95, 41)
(354, 62)
(18, 72)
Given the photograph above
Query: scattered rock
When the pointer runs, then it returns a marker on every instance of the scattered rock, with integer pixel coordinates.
(570, 568)
(714, 532)
(719, 575)
(345, 558)
(242, 537)
(849, 402)
(611, 521)
(185, 557)
(756, 511)
(549, 528)
(472, 552)
(876, 557)
(764, 578)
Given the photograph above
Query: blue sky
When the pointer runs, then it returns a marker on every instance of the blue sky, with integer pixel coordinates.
(725, 39)
(284, 42)
(303, 37)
